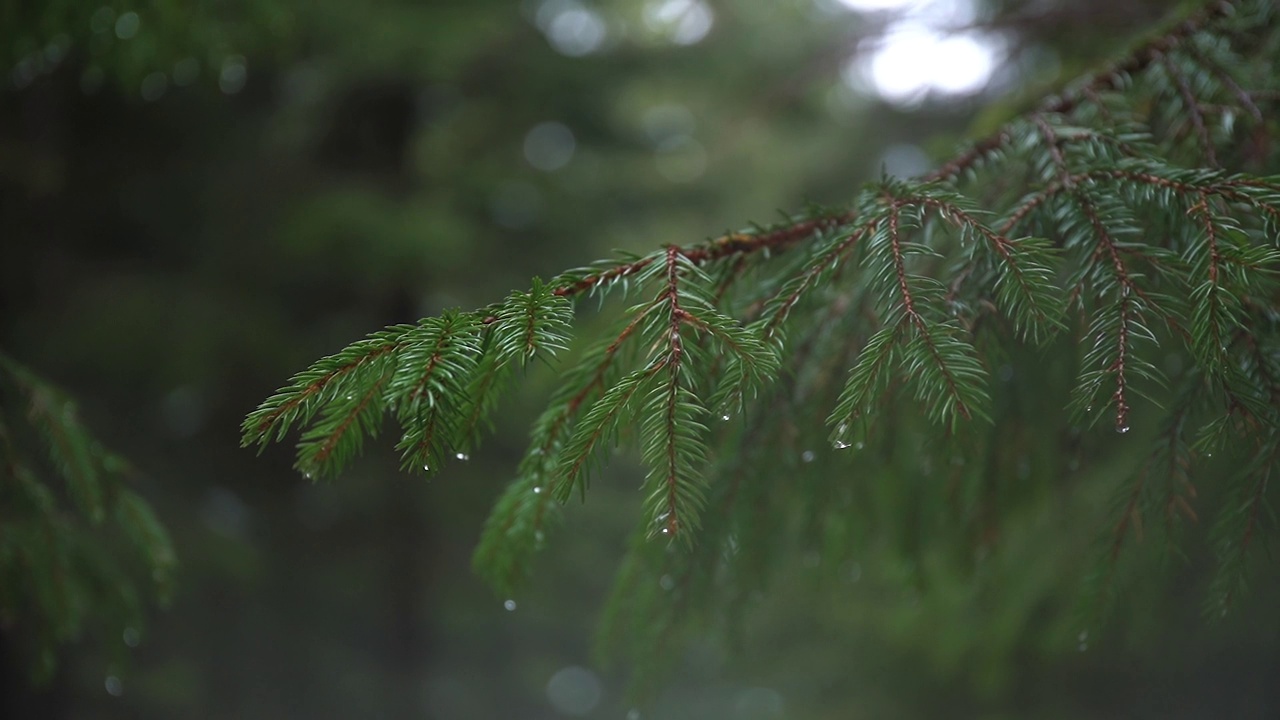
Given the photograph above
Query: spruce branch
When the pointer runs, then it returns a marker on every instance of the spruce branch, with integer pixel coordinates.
(69, 446)
(1024, 284)
(1091, 88)
(730, 244)
(63, 567)
(1242, 96)
(307, 391)
(1117, 208)
(599, 424)
(1195, 112)
(1246, 509)
(827, 257)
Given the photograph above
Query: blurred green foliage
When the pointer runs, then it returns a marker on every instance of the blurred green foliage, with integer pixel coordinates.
(143, 44)
(74, 538)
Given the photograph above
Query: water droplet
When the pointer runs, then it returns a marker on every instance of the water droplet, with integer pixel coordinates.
(537, 490)
(131, 636)
(350, 396)
(510, 605)
(1083, 636)
(807, 456)
(666, 582)
(858, 445)
(462, 456)
(666, 531)
(114, 687)
(1088, 408)
(1208, 454)
(725, 417)
(1122, 429)
(306, 475)
(840, 445)
(538, 537)
(426, 467)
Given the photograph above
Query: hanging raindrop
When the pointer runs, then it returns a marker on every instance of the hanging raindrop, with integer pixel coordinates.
(510, 605)
(537, 490)
(1122, 429)
(463, 456)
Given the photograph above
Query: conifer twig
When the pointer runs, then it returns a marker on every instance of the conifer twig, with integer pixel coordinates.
(785, 236)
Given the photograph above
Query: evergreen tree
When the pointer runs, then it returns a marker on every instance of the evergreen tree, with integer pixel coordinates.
(1095, 279)
(1116, 240)
(82, 552)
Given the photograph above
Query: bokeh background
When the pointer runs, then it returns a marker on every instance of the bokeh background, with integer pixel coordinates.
(198, 199)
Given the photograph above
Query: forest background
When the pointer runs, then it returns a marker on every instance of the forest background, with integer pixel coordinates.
(196, 203)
